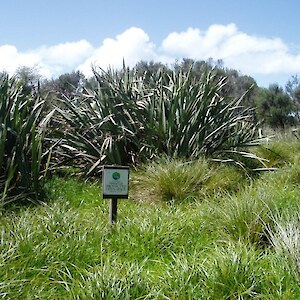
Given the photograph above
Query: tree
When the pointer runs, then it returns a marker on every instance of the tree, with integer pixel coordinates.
(293, 90)
(197, 68)
(68, 84)
(150, 67)
(275, 107)
(29, 76)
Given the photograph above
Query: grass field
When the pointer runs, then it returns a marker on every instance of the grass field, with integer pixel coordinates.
(224, 236)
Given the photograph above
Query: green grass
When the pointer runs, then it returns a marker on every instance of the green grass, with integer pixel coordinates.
(66, 248)
(281, 149)
(228, 237)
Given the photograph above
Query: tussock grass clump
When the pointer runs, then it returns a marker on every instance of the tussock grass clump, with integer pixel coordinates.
(285, 238)
(247, 215)
(227, 179)
(234, 273)
(171, 179)
(243, 217)
(174, 180)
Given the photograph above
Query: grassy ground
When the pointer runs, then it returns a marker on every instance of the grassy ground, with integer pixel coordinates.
(222, 236)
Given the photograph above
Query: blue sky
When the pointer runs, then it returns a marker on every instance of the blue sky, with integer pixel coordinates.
(259, 38)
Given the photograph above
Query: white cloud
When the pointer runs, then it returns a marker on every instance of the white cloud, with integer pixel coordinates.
(50, 61)
(11, 59)
(237, 49)
(194, 43)
(132, 45)
(250, 54)
(66, 54)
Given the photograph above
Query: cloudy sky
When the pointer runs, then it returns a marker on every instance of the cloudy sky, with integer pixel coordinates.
(259, 38)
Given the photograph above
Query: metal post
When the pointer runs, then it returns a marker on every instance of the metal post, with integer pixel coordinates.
(113, 209)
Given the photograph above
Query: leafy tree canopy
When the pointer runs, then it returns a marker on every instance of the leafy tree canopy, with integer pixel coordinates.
(275, 107)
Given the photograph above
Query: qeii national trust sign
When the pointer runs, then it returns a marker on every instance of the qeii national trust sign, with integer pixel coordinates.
(115, 182)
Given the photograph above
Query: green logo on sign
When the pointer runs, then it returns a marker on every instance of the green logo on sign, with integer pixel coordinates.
(116, 175)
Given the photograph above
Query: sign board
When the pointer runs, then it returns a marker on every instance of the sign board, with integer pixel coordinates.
(115, 182)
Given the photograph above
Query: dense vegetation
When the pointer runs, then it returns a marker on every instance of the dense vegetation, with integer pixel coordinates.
(213, 208)
(225, 239)
(22, 132)
(118, 117)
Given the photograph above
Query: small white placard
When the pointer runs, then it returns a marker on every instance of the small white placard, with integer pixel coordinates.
(115, 181)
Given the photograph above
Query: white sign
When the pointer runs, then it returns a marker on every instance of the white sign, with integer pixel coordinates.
(115, 181)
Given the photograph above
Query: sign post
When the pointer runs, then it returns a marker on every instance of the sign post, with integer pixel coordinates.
(113, 210)
(114, 185)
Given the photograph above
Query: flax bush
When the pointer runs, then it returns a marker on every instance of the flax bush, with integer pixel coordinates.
(127, 118)
(23, 160)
